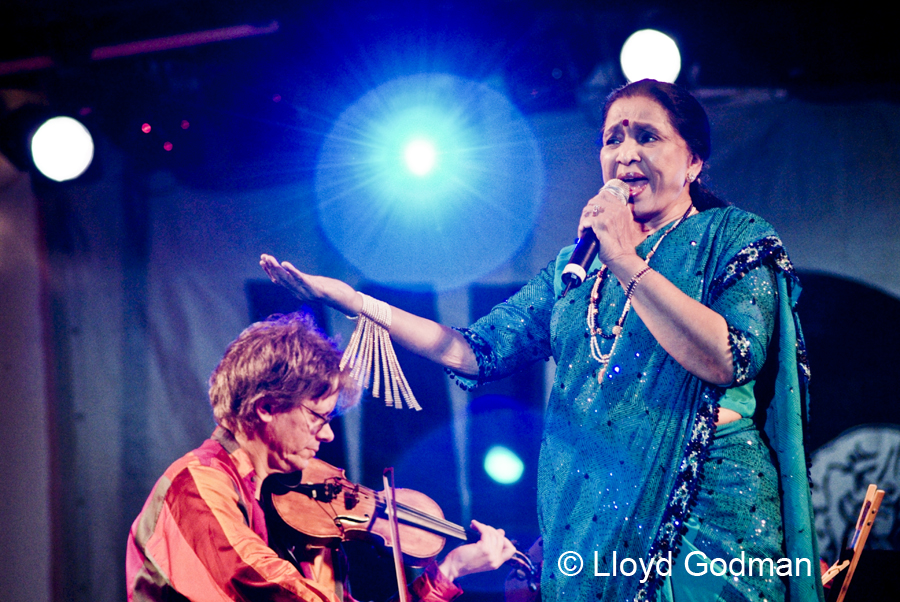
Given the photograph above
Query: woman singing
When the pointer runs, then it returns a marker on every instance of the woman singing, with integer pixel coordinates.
(660, 469)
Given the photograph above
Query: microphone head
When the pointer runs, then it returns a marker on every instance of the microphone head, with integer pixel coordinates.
(618, 188)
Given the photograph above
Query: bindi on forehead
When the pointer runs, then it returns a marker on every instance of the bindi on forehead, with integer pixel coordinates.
(625, 122)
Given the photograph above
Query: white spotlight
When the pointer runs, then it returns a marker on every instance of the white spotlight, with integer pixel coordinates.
(420, 156)
(62, 148)
(650, 54)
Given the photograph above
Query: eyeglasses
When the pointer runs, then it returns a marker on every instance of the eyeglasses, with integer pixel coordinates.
(321, 419)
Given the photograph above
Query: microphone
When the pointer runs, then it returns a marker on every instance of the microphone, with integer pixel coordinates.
(587, 246)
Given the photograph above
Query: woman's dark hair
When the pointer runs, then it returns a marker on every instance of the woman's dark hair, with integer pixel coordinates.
(687, 117)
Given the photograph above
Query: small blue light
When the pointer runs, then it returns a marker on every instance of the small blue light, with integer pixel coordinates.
(503, 465)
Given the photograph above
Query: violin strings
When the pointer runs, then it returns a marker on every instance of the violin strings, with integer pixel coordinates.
(439, 524)
(427, 521)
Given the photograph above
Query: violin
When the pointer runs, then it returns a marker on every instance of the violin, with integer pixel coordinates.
(322, 504)
(522, 585)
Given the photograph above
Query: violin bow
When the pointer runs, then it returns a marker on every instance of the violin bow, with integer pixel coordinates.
(395, 532)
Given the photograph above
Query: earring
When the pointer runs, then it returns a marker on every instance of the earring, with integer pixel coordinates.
(690, 178)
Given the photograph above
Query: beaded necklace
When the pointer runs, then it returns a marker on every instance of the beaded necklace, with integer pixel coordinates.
(593, 307)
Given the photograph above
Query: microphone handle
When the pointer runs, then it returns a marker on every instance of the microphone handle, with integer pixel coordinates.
(587, 246)
(582, 257)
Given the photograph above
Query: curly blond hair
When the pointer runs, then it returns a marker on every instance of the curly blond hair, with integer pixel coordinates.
(285, 358)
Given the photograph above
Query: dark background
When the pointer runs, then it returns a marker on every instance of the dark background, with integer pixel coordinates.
(252, 99)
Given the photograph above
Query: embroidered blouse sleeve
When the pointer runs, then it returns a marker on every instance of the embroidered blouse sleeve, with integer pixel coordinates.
(514, 333)
(745, 294)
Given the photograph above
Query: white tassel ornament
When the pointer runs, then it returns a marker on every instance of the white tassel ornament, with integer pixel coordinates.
(370, 355)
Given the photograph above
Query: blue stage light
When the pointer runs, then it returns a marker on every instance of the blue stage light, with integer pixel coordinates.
(429, 180)
(503, 465)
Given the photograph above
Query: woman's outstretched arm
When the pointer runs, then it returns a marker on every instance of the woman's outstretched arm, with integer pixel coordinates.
(424, 337)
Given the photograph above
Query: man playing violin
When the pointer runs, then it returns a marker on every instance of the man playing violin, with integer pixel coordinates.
(202, 533)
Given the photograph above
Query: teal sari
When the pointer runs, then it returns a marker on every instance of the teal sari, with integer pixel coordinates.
(633, 475)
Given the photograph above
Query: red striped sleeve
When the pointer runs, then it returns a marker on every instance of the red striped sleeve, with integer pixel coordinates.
(194, 537)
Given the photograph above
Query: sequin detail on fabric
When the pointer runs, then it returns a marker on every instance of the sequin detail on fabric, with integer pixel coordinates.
(515, 333)
(802, 360)
(765, 251)
(768, 250)
(684, 495)
(484, 355)
(740, 355)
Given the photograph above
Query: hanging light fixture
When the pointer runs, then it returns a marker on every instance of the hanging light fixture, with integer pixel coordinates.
(33, 137)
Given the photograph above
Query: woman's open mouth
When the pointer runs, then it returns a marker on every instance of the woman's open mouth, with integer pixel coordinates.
(636, 182)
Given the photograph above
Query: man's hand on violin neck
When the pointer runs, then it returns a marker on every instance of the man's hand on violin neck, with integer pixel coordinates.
(487, 554)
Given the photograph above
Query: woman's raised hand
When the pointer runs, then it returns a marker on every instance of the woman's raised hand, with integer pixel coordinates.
(307, 287)
(424, 337)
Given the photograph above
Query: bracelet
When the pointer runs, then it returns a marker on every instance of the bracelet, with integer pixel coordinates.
(371, 359)
(376, 310)
(632, 285)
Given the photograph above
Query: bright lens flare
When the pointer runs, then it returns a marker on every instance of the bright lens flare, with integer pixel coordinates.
(62, 149)
(420, 156)
(650, 54)
(503, 465)
(430, 181)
